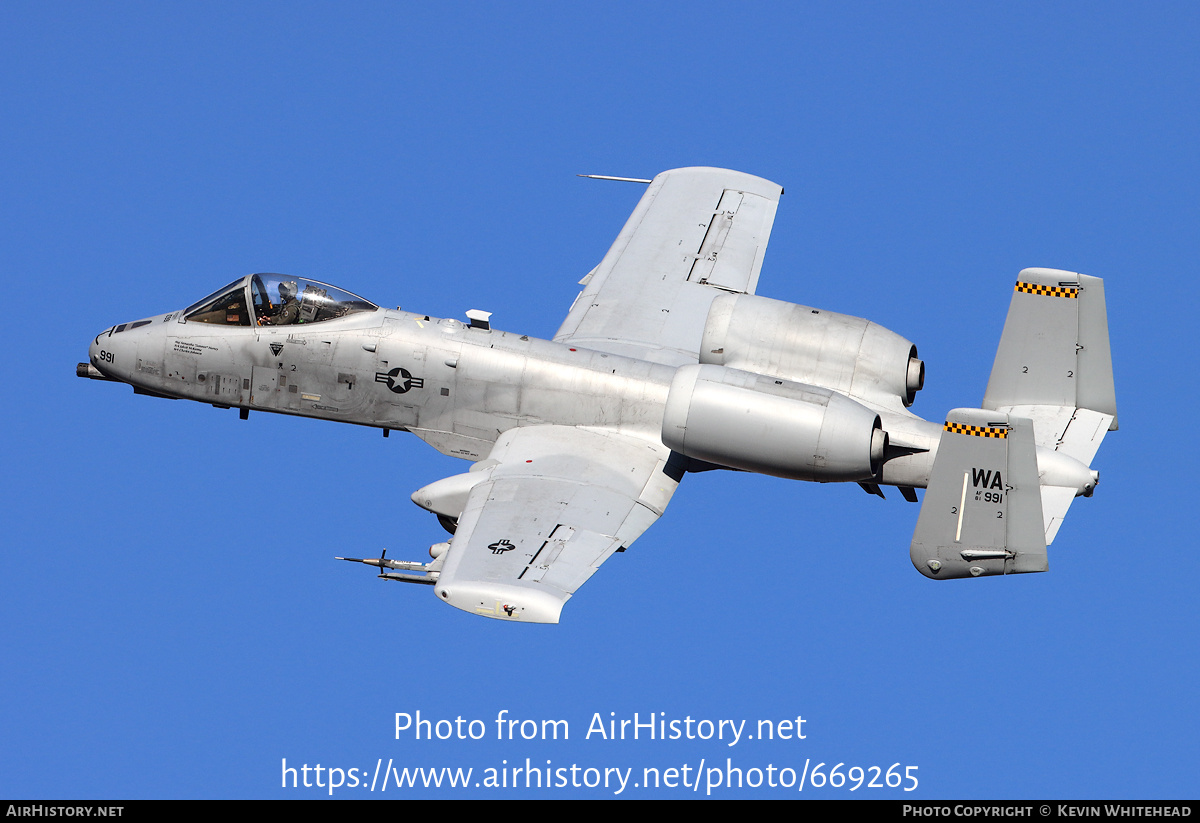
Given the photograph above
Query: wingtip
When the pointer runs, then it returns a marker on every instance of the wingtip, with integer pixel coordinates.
(518, 604)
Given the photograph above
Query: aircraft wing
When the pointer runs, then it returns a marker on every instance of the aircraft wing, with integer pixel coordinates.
(557, 502)
(696, 232)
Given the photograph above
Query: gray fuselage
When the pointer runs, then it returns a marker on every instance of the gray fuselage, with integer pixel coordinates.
(454, 385)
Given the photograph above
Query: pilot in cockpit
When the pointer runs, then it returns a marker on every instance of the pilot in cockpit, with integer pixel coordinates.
(289, 308)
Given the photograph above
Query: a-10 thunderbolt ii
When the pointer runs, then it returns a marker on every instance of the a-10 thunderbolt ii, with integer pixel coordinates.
(667, 362)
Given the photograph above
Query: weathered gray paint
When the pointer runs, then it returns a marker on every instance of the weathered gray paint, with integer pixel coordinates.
(667, 361)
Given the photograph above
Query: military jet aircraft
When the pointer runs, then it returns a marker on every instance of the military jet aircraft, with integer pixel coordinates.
(667, 363)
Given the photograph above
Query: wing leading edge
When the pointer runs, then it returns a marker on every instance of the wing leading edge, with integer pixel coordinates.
(558, 501)
(696, 233)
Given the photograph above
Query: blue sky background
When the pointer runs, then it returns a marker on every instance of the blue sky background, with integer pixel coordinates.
(173, 622)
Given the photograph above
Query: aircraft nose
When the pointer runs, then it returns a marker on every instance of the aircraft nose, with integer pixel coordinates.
(97, 347)
(89, 369)
(113, 354)
(94, 349)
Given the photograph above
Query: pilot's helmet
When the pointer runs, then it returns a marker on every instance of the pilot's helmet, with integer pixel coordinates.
(287, 290)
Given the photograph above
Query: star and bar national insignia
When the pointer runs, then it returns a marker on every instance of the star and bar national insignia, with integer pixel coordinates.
(399, 380)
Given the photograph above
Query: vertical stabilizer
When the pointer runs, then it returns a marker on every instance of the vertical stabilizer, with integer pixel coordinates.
(1054, 351)
(982, 512)
(1054, 366)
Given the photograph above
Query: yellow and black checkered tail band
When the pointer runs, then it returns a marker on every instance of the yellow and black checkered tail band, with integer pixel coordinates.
(1048, 291)
(976, 431)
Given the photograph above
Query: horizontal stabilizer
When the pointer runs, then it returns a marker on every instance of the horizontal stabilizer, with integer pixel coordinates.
(982, 512)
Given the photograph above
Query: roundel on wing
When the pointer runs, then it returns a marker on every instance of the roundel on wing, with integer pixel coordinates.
(501, 546)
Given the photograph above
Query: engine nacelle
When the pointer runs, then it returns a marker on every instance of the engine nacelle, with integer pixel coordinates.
(851, 355)
(763, 424)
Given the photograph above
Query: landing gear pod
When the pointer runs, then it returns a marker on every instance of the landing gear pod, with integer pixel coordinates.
(757, 423)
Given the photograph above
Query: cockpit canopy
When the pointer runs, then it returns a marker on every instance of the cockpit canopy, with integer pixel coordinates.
(275, 300)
